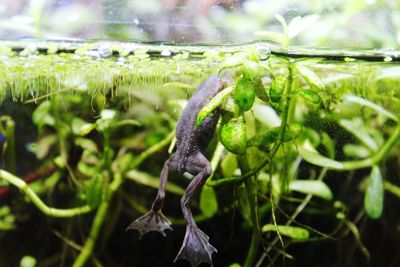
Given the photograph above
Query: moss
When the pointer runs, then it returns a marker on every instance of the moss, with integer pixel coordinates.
(30, 70)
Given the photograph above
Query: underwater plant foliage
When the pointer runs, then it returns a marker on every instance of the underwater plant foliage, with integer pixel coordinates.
(305, 156)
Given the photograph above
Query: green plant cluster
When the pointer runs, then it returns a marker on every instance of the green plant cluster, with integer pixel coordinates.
(292, 129)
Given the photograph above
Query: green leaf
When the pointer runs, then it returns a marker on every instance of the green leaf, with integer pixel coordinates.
(233, 136)
(266, 115)
(357, 128)
(235, 60)
(208, 201)
(86, 144)
(151, 181)
(283, 23)
(245, 94)
(311, 77)
(6, 226)
(271, 135)
(7, 219)
(312, 136)
(44, 144)
(311, 155)
(86, 128)
(264, 138)
(213, 104)
(28, 261)
(261, 93)
(41, 116)
(244, 203)
(298, 24)
(310, 96)
(177, 85)
(229, 165)
(128, 122)
(357, 151)
(250, 69)
(77, 124)
(367, 103)
(294, 232)
(92, 191)
(373, 200)
(88, 165)
(107, 120)
(276, 89)
(108, 114)
(327, 142)
(313, 187)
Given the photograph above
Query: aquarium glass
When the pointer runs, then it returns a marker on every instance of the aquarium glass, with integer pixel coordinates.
(277, 124)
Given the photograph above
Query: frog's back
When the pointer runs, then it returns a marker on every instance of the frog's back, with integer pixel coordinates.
(207, 90)
(189, 137)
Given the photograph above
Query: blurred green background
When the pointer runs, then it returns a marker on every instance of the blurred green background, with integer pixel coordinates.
(334, 23)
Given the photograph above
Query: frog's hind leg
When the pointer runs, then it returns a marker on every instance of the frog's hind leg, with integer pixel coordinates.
(154, 220)
(195, 248)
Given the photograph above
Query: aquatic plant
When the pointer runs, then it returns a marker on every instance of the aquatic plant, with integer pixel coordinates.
(299, 133)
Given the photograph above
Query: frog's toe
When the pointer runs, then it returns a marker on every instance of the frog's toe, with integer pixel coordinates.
(196, 248)
(151, 221)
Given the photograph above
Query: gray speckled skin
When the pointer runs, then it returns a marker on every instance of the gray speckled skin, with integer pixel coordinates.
(191, 142)
(192, 139)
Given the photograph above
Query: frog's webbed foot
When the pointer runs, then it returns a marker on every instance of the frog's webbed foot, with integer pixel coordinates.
(151, 221)
(196, 248)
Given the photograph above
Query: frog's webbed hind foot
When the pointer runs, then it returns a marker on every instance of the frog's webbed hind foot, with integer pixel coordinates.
(151, 221)
(196, 248)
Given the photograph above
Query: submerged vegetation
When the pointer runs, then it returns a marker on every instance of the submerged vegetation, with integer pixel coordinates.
(304, 157)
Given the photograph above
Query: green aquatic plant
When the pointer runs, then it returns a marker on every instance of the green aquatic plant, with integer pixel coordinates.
(296, 134)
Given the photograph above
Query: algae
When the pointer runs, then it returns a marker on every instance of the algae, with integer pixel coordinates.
(89, 116)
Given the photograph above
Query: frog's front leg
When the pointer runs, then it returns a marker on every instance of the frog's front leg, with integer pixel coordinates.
(154, 220)
(195, 248)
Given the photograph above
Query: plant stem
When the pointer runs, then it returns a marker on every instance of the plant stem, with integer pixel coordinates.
(215, 160)
(392, 188)
(145, 154)
(101, 213)
(106, 196)
(252, 253)
(49, 211)
(378, 157)
(251, 188)
(108, 192)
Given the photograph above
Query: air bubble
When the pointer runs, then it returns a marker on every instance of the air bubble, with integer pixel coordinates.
(263, 52)
(388, 59)
(166, 53)
(105, 51)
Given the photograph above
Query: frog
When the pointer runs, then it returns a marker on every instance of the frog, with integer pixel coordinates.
(191, 143)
